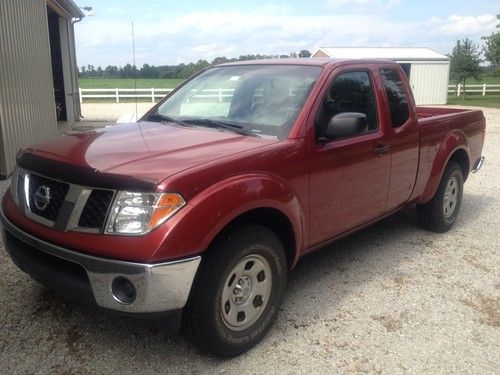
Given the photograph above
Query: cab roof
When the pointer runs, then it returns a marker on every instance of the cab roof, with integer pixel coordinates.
(321, 62)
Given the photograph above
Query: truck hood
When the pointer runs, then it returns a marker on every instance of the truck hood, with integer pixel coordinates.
(146, 151)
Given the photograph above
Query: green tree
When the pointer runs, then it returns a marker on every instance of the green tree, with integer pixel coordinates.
(464, 61)
(111, 71)
(148, 71)
(491, 48)
(220, 60)
(90, 70)
(128, 71)
(304, 53)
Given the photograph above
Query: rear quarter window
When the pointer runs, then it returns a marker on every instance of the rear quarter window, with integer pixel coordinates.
(396, 95)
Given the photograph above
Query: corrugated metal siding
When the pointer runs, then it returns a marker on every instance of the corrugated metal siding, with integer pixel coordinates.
(27, 109)
(429, 82)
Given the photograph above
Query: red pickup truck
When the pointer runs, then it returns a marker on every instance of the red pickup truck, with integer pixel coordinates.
(199, 210)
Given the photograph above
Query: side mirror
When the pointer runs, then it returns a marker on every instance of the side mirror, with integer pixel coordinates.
(346, 124)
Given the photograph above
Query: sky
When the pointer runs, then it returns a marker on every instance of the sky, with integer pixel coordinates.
(183, 31)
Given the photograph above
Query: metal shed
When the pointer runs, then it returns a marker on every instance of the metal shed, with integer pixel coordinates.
(38, 73)
(427, 70)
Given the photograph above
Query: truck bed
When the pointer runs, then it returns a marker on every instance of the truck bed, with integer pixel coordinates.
(437, 125)
(432, 112)
(424, 112)
(444, 120)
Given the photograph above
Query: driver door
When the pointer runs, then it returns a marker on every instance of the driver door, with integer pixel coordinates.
(349, 177)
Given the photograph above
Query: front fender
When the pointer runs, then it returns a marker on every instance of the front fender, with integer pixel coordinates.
(454, 141)
(195, 226)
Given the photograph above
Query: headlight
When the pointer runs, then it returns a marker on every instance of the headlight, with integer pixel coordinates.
(139, 213)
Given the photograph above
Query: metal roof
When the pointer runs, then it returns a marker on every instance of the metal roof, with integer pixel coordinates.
(391, 53)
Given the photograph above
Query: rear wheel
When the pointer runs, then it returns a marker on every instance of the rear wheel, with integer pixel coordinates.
(238, 291)
(441, 212)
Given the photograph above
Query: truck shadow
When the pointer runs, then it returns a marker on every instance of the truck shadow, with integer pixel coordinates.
(320, 280)
(375, 240)
(379, 252)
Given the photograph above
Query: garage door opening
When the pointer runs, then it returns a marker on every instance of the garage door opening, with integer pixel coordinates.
(407, 69)
(57, 65)
(63, 63)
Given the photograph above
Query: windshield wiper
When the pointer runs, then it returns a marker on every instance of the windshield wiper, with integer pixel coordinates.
(157, 117)
(222, 124)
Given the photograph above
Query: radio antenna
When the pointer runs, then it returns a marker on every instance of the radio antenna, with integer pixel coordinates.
(135, 71)
(135, 87)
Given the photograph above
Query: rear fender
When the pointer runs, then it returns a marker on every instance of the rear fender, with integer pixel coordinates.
(456, 140)
(206, 215)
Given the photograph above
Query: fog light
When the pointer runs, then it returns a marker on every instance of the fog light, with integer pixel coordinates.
(123, 290)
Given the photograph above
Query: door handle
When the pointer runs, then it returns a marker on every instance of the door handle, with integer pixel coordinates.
(381, 149)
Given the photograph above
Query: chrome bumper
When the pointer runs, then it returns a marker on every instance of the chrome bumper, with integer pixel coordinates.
(479, 163)
(158, 287)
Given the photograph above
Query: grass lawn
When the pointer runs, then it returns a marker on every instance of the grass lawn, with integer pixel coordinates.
(157, 83)
(489, 100)
(477, 99)
(128, 83)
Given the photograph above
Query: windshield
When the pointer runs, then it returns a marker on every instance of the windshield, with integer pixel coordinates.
(261, 100)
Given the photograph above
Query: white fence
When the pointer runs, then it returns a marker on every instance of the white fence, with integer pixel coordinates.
(118, 94)
(483, 89)
(152, 93)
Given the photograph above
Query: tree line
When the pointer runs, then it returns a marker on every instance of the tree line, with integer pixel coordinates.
(180, 71)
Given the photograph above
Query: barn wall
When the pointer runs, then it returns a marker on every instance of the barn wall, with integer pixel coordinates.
(27, 110)
(429, 82)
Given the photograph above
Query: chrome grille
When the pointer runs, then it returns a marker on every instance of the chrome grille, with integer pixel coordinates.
(61, 205)
(96, 209)
(57, 192)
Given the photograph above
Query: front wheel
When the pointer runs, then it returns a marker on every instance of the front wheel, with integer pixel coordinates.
(441, 212)
(238, 291)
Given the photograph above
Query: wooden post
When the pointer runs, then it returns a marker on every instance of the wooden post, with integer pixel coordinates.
(117, 95)
(484, 89)
(152, 95)
(80, 95)
(458, 89)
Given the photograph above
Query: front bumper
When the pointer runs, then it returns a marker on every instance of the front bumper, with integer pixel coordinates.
(159, 287)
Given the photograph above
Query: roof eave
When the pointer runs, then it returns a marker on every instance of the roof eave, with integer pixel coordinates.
(71, 8)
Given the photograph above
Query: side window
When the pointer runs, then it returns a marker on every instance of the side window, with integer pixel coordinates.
(396, 94)
(349, 92)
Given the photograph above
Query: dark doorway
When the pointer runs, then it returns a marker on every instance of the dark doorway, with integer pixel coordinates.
(406, 69)
(57, 65)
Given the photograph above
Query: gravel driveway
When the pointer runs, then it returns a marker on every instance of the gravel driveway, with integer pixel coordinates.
(389, 299)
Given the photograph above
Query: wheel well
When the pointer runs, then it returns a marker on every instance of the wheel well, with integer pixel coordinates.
(273, 220)
(461, 157)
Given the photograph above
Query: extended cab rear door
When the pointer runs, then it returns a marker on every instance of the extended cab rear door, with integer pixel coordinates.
(349, 177)
(402, 135)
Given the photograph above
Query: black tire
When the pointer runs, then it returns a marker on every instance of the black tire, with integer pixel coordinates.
(434, 215)
(204, 319)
